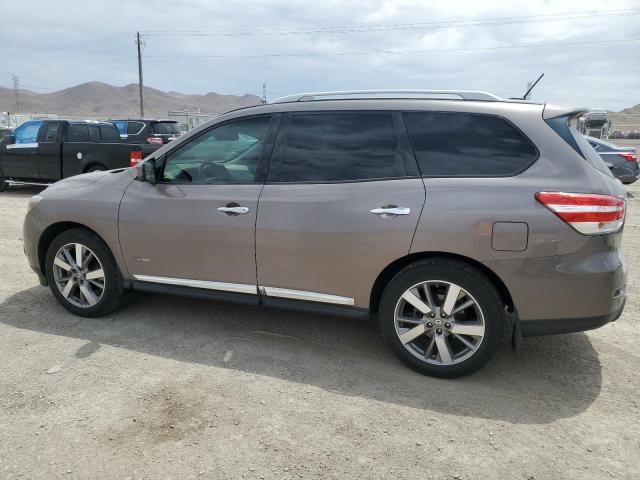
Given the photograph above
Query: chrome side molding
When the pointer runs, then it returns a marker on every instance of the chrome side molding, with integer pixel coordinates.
(185, 282)
(308, 296)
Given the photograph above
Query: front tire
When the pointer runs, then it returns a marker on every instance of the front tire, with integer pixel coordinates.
(82, 274)
(442, 317)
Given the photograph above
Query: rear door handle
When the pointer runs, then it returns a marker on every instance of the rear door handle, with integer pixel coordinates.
(391, 211)
(233, 210)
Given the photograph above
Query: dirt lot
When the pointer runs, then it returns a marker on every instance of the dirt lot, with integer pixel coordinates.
(176, 388)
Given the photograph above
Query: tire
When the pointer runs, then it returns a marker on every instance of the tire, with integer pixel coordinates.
(84, 297)
(96, 168)
(3, 184)
(462, 354)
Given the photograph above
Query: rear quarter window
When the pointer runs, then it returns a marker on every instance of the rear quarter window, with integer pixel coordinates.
(455, 144)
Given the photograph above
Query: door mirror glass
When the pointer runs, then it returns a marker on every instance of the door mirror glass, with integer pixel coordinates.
(148, 171)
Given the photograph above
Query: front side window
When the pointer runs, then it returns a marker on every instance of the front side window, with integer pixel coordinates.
(330, 147)
(225, 154)
(51, 132)
(455, 144)
(27, 132)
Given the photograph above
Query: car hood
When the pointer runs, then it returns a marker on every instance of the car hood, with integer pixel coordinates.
(88, 179)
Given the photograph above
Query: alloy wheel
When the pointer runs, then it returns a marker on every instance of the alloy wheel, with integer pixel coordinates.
(78, 275)
(439, 322)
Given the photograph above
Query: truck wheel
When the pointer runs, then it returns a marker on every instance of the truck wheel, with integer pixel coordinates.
(82, 274)
(3, 184)
(442, 317)
(95, 168)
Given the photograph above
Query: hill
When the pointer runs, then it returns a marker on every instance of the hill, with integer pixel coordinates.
(100, 100)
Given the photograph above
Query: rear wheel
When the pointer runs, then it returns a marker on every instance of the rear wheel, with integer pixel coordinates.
(83, 274)
(442, 317)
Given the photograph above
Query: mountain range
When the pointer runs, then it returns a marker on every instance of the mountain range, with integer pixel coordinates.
(100, 100)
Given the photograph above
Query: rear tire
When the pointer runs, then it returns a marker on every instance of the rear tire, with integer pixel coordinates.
(92, 288)
(444, 337)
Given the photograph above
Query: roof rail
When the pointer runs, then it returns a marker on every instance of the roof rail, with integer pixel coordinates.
(461, 94)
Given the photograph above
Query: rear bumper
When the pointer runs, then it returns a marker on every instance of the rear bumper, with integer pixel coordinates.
(567, 293)
(534, 328)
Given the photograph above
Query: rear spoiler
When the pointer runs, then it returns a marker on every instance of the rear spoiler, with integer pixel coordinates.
(553, 111)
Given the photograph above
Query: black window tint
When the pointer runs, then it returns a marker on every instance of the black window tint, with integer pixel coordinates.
(109, 134)
(134, 127)
(78, 133)
(341, 147)
(51, 133)
(94, 133)
(452, 144)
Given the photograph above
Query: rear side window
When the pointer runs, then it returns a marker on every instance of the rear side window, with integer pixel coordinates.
(78, 133)
(94, 133)
(109, 134)
(133, 128)
(121, 126)
(341, 147)
(454, 144)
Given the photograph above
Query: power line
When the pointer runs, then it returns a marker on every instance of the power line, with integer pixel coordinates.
(406, 26)
(398, 52)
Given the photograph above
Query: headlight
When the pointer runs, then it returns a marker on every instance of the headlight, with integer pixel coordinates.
(33, 201)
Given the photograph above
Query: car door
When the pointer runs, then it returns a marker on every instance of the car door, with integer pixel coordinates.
(342, 202)
(19, 159)
(48, 153)
(196, 226)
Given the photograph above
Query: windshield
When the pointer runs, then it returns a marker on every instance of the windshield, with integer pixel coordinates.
(166, 128)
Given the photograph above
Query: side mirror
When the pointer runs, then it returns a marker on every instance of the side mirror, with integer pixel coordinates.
(9, 139)
(148, 171)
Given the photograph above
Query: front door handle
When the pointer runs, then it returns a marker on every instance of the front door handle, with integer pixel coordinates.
(391, 211)
(233, 209)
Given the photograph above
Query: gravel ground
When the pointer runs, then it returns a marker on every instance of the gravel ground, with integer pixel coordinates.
(175, 388)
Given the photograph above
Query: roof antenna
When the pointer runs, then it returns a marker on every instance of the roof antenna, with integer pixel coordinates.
(526, 95)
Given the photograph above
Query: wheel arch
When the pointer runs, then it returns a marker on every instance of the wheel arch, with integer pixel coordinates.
(390, 270)
(88, 166)
(51, 232)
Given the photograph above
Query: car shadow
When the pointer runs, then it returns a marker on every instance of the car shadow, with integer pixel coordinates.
(551, 378)
(21, 191)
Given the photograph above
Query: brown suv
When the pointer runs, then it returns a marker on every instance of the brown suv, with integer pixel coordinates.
(456, 218)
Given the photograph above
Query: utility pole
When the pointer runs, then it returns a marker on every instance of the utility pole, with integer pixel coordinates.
(264, 93)
(16, 92)
(139, 44)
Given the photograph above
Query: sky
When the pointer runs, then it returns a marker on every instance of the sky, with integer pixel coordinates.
(588, 50)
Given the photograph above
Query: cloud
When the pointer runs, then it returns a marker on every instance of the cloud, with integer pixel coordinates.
(53, 48)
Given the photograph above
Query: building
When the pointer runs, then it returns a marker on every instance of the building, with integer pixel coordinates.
(188, 120)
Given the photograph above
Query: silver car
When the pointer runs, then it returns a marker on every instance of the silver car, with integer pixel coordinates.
(622, 161)
(455, 218)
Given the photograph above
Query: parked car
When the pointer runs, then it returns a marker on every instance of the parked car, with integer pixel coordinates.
(44, 151)
(143, 131)
(454, 222)
(622, 161)
(4, 131)
(616, 134)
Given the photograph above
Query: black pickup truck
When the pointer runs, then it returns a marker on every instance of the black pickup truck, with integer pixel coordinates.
(44, 151)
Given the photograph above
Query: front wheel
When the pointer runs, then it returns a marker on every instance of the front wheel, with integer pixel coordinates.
(442, 317)
(82, 274)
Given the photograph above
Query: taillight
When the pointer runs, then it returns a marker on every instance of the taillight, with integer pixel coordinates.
(154, 140)
(135, 157)
(589, 214)
(629, 157)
